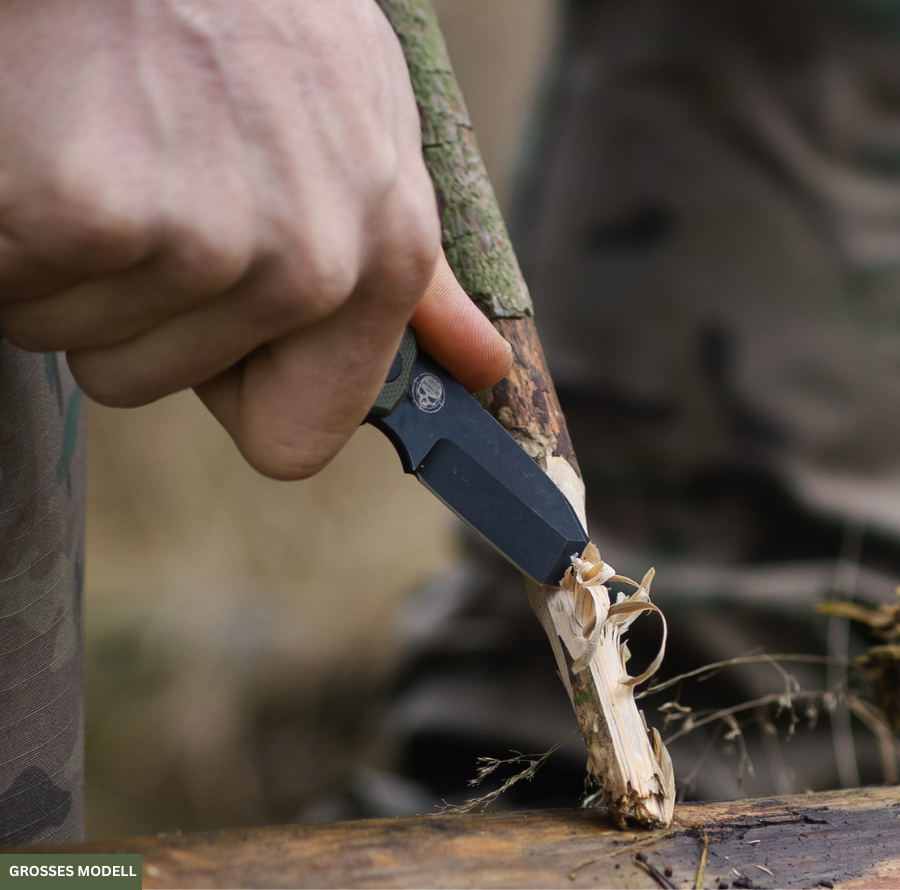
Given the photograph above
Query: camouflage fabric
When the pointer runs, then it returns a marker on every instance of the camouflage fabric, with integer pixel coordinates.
(714, 244)
(41, 567)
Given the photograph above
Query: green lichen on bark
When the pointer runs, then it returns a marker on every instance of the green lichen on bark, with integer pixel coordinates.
(475, 239)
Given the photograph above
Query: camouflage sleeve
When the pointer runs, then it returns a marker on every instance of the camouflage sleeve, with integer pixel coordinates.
(41, 570)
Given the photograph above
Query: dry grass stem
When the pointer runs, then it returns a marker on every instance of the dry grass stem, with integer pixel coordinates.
(489, 765)
(694, 721)
(786, 700)
(754, 657)
(701, 868)
(888, 745)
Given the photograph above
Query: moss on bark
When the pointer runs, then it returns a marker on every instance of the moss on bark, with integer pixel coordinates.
(475, 239)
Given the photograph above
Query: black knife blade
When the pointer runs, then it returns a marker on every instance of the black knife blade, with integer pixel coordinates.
(466, 458)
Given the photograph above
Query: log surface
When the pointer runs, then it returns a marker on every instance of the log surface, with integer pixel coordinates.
(845, 838)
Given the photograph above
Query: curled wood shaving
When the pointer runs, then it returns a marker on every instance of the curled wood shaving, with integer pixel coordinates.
(591, 575)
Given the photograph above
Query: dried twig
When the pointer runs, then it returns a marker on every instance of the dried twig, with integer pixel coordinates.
(653, 871)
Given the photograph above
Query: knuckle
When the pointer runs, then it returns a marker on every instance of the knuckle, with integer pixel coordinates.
(99, 226)
(383, 166)
(311, 289)
(324, 294)
(206, 261)
(328, 278)
(409, 259)
(423, 250)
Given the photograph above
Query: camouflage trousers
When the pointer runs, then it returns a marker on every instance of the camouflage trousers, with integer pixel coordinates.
(41, 570)
(712, 237)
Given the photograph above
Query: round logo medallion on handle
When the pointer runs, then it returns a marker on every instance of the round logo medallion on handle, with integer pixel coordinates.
(428, 393)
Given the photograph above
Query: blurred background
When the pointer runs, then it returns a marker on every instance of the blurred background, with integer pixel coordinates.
(705, 199)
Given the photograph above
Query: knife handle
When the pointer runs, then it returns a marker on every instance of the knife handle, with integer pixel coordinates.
(396, 383)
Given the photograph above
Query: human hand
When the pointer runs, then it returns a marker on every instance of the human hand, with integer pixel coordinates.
(229, 195)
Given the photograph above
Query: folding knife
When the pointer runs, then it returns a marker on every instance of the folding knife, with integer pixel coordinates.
(469, 461)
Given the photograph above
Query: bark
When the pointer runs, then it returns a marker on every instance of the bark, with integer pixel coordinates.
(475, 238)
(633, 771)
(839, 838)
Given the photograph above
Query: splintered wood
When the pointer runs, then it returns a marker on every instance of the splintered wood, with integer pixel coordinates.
(631, 766)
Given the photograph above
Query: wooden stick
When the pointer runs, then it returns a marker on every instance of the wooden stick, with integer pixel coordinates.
(832, 839)
(633, 771)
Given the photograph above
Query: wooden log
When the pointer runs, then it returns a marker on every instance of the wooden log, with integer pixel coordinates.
(633, 771)
(834, 839)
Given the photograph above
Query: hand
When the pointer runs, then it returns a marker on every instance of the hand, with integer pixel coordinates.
(229, 195)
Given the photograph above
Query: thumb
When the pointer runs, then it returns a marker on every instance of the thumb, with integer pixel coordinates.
(457, 335)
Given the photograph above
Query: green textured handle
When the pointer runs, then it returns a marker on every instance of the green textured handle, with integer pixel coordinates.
(397, 384)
